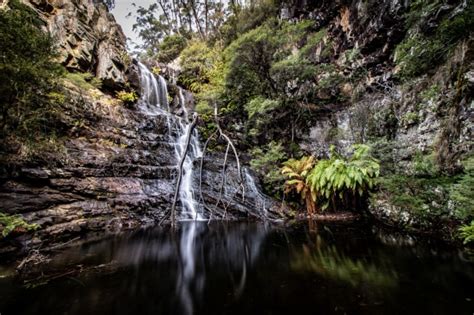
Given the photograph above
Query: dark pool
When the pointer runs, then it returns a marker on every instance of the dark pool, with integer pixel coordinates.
(248, 268)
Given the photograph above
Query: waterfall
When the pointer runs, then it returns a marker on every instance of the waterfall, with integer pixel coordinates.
(155, 102)
(239, 251)
(260, 198)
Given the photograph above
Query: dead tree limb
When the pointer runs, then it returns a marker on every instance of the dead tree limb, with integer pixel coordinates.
(222, 134)
(219, 133)
(200, 172)
(223, 176)
(180, 169)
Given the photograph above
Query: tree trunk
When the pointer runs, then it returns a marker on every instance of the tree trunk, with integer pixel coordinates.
(165, 13)
(196, 18)
(206, 15)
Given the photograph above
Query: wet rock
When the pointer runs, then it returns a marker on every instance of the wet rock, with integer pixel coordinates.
(239, 198)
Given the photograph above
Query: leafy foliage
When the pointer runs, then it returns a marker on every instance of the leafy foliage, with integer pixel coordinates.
(260, 106)
(170, 48)
(419, 51)
(265, 162)
(84, 80)
(312, 42)
(127, 97)
(243, 19)
(260, 120)
(198, 62)
(429, 196)
(467, 233)
(462, 192)
(10, 223)
(250, 58)
(28, 73)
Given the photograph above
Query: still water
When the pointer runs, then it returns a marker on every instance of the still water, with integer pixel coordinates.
(250, 268)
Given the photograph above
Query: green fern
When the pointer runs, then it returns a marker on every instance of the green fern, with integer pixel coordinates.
(10, 223)
(338, 177)
(467, 232)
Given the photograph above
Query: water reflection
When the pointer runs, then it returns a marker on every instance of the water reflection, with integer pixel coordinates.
(330, 263)
(241, 268)
(191, 253)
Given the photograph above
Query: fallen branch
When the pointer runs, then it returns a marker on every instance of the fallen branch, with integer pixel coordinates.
(180, 169)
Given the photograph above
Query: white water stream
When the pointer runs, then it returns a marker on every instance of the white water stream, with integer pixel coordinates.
(155, 102)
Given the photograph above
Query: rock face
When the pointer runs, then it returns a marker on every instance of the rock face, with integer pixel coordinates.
(89, 39)
(401, 116)
(363, 36)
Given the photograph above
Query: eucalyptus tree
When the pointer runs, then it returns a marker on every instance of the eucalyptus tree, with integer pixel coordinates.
(186, 18)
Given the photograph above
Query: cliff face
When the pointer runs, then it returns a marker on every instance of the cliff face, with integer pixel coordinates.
(88, 38)
(407, 91)
(365, 36)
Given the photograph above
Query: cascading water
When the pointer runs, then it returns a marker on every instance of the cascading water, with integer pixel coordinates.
(260, 198)
(155, 102)
(190, 279)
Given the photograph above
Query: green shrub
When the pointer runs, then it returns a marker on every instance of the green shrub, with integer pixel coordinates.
(198, 61)
(260, 106)
(425, 197)
(462, 192)
(313, 42)
(424, 165)
(28, 74)
(425, 192)
(127, 97)
(418, 52)
(410, 119)
(266, 163)
(420, 10)
(249, 60)
(84, 80)
(203, 72)
(246, 18)
(170, 48)
(431, 92)
(292, 69)
(467, 233)
(10, 223)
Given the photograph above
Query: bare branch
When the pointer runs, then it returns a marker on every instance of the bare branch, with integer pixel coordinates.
(200, 173)
(180, 174)
(223, 177)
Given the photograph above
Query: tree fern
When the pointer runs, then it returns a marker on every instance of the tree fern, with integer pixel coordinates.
(337, 177)
(296, 171)
(332, 181)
